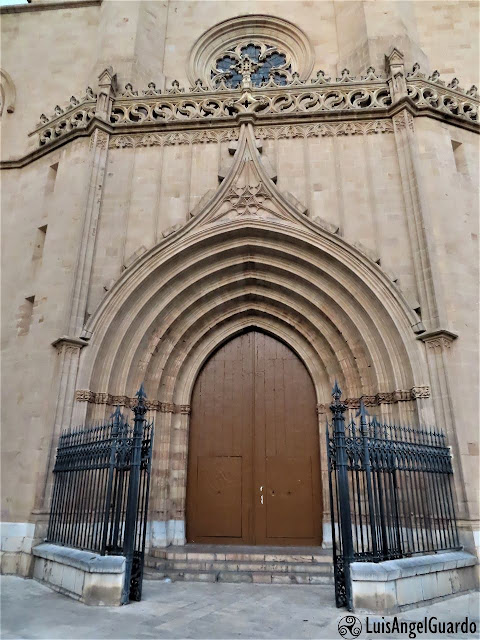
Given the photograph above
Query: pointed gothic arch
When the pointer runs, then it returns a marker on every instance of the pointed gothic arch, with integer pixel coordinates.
(249, 259)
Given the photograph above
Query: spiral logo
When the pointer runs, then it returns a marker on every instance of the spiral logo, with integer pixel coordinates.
(349, 627)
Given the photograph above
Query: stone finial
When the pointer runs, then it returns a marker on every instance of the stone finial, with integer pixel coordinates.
(107, 88)
(395, 67)
(246, 67)
(473, 91)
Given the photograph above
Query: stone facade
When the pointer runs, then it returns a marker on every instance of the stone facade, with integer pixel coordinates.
(159, 211)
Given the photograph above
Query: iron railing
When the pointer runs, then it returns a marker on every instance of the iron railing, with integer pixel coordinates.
(101, 488)
(390, 492)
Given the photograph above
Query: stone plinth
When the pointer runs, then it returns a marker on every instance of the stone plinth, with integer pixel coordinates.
(82, 575)
(395, 585)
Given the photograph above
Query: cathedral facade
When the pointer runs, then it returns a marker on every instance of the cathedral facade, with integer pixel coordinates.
(236, 204)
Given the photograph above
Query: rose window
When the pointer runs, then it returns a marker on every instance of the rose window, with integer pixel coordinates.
(266, 62)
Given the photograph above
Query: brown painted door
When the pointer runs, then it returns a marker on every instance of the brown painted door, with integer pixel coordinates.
(254, 464)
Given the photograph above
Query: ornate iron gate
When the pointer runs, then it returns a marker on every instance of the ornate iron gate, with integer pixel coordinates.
(390, 493)
(101, 489)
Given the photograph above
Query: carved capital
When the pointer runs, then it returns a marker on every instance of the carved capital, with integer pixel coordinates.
(67, 341)
(439, 339)
(420, 392)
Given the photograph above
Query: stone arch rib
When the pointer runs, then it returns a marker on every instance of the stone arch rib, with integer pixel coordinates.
(173, 307)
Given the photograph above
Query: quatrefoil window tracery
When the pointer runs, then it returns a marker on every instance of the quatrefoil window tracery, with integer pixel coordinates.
(267, 62)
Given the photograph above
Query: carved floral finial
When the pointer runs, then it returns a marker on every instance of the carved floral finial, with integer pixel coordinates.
(454, 83)
(74, 101)
(58, 110)
(129, 92)
(435, 76)
(473, 91)
(152, 90)
(321, 78)
(175, 88)
(345, 77)
(89, 94)
(199, 86)
(371, 75)
(43, 119)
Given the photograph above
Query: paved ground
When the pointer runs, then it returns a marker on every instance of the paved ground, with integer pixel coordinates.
(196, 610)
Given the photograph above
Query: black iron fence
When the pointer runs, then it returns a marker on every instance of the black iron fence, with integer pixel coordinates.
(101, 488)
(390, 492)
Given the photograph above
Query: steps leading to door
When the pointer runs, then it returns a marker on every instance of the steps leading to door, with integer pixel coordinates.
(219, 563)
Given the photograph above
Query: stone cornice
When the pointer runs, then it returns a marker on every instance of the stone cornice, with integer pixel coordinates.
(320, 100)
(49, 6)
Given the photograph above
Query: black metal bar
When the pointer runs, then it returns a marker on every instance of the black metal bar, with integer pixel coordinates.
(140, 409)
(362, 412)
(338, 408)
(393, 485)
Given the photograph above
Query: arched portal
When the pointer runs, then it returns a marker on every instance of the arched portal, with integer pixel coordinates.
(254, 459)
(248, 260)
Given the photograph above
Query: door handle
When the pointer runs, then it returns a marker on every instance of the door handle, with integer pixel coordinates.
(261, 499)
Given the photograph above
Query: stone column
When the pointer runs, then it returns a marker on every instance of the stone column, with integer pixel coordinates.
(416, 207)
(68, 354)
(427, 274)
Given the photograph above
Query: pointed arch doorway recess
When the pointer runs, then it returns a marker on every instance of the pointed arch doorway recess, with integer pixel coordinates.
(254, 461)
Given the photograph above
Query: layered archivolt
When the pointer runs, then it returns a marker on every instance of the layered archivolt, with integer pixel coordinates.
(270, 268)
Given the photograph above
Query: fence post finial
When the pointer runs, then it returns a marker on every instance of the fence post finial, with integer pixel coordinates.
(362, 412)
(338, 408)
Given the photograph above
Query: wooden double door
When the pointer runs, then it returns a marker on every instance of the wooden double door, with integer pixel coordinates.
(254, 463)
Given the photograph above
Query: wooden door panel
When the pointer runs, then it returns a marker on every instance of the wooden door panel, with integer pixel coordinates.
(219, 496)
(254, 426)
(219, 505)
(289, 498)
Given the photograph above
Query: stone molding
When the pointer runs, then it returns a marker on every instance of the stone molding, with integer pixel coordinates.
(319, 98)
(92, 397)
(173, 138)
(317, 130)
(391, 397)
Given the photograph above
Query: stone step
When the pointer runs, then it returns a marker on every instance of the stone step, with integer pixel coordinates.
(200, 553)
(218, 565)
(228, 563)
(260, 577)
